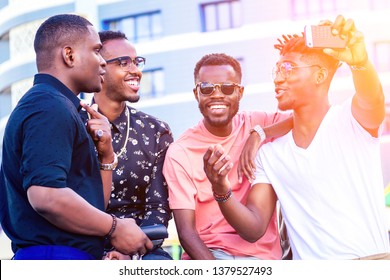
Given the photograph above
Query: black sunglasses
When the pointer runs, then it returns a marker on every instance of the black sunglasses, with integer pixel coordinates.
(207, 88)
(125, 62)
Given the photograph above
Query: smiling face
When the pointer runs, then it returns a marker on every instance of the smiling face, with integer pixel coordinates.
(217, 108)
(305, 82)
(300, 87)
(120, 84)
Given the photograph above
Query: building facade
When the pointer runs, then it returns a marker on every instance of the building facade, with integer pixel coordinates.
(173, 35)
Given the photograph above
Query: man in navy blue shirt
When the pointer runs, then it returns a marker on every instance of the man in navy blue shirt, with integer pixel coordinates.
(53, 188)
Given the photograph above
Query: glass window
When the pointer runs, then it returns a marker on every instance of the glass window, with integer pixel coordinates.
(156, 24)
(224, 16)
(127, 25)
(138, 28)
(221, 15)
(236, 12)
(143, 29)
(306, 8)
(152, 83)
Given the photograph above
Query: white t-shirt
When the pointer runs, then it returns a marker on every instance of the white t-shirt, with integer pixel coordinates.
(332, 193)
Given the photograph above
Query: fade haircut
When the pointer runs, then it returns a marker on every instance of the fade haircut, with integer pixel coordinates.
(296, 44)
(217, 59)
(55, 32)
(109, 35)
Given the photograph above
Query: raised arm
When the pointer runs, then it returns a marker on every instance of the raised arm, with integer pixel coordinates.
(103, 143)
(368, 106)
(261, 201)
(246, 165)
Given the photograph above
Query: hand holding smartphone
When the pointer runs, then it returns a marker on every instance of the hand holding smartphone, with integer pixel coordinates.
(320, 36)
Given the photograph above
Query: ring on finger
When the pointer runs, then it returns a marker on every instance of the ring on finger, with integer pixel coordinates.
(99, 133)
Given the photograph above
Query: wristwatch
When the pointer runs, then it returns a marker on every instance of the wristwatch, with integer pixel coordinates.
(109, 166)
(260, 131)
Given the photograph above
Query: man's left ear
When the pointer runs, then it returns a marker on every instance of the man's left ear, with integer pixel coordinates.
(196, 94)
(241, 91)
(68, 56)
(322, 75)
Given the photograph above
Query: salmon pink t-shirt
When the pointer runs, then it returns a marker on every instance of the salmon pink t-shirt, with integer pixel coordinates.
(190, 189)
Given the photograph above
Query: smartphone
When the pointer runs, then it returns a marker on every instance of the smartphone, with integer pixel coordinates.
(320, 36)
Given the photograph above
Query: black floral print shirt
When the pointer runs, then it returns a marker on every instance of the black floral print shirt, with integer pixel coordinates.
(139, 189)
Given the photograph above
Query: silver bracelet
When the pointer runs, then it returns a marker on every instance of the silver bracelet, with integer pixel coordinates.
(260, 131)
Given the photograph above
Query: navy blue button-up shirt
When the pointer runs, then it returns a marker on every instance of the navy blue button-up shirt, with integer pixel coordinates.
(46, 144)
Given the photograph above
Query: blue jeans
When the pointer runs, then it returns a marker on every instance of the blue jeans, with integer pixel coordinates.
(157, 254)
(51, 252)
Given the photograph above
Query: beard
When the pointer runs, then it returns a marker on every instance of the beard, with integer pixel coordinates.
(119, 93)
(219, 121)
(134, 98)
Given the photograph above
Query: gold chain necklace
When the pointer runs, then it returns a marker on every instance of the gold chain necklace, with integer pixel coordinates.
(127, 133)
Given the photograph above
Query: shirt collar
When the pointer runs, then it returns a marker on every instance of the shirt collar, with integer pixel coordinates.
(120, 123)
(54, 82)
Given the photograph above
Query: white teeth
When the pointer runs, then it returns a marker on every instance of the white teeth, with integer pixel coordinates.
(133, 83)
(218, 106)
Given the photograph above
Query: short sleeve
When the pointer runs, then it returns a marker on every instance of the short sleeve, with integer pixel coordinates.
(261, 176)
(48, 136)
(181, 188)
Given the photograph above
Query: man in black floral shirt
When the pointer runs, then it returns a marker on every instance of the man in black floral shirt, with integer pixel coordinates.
(140, 141)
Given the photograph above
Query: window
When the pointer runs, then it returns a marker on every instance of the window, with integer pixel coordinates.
(243, 67)
(382, 56)
(152, 83)
(309, 8)
(220, 15)
(138, 28)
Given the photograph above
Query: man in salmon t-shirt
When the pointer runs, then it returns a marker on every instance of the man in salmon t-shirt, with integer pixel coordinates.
(202, 229)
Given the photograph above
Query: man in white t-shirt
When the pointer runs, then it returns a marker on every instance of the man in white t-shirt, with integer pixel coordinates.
(326, 172)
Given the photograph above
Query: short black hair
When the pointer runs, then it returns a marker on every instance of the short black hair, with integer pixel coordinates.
(56, 31)
(217, 59)
(296, 44)
(108, 35)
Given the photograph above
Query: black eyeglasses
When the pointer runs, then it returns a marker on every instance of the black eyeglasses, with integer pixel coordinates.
(285, 69)
(125, 62)
(207, 88)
